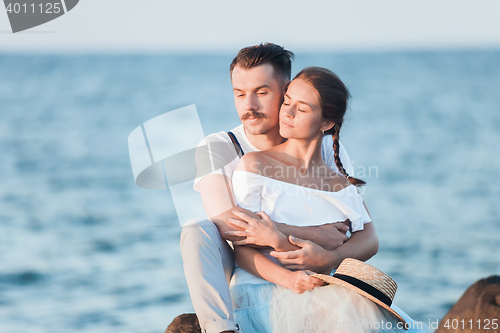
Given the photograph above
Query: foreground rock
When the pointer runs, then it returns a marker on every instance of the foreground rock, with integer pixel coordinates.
(185, 323)
(478, 310)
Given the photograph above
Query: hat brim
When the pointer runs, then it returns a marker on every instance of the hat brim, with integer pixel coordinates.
(333, 280)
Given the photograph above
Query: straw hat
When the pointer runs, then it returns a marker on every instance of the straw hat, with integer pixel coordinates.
(367, 281)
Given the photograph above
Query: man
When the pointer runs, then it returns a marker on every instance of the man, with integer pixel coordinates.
(258, 75)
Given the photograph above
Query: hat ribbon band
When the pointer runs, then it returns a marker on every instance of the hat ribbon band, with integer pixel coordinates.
(365, 287)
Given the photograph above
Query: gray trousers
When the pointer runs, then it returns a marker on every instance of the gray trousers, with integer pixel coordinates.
(208, 266)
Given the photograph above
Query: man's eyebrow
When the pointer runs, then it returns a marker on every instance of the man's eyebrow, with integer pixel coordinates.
(262, 86)
(301, 102)
(258, 88)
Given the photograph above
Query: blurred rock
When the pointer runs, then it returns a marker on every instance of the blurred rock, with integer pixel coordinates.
(481, 301)
(185, 323)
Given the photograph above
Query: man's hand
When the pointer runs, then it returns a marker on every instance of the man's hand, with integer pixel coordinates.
(310, 256)
(260, 231)
(332, 235)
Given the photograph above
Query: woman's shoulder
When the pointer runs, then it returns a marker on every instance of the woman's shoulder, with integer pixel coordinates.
(254, 162)
(336, 181)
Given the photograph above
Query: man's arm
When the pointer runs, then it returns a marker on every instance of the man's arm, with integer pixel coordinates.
(218, 201)
(362, 245)
(329, 236)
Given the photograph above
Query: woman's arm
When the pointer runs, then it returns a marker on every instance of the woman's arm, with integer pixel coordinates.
(362, 245)
(256, 263)
(258, 228)
(328, 235)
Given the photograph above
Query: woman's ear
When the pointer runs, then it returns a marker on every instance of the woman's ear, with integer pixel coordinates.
(327, 125)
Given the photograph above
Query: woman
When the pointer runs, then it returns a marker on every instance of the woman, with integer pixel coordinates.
(292, 184)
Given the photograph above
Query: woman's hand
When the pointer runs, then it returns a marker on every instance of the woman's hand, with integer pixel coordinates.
(300, 281)
(310, 256)
(261, 232)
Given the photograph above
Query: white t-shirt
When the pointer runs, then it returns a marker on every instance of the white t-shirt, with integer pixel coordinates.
(216, 154)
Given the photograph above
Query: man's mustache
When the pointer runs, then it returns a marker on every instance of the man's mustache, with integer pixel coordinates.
(252, 114)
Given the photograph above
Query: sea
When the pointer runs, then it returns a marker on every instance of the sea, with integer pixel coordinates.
(84, 249)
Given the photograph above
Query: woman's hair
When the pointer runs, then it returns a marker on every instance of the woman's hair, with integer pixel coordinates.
(333, 96)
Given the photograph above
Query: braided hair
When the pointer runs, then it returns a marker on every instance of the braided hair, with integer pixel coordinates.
(334, 96)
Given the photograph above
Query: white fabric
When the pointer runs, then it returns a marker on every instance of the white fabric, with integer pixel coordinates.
(224, 160)
(271, 308)
(264, 307)
(295, 205)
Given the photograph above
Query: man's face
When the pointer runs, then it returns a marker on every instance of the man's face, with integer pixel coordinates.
(258, 95)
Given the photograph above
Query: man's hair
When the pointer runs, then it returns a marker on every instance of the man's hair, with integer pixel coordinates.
(265, 53)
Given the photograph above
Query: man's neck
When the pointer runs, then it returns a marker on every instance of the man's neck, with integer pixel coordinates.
(265, 141)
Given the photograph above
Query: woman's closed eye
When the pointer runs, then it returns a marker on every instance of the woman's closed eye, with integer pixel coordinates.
(288, 104)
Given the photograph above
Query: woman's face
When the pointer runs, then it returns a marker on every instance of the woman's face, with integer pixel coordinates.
(300, 113)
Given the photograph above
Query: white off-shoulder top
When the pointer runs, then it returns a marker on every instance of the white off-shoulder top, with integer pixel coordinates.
(294, 205)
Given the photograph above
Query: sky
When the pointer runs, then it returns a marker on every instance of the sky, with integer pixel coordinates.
(225, 26)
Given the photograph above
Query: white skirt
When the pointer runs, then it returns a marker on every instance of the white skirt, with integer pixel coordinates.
(266, 308)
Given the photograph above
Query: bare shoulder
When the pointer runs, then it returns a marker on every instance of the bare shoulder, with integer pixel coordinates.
(345, 181)
(337, 181)
(251, 162)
